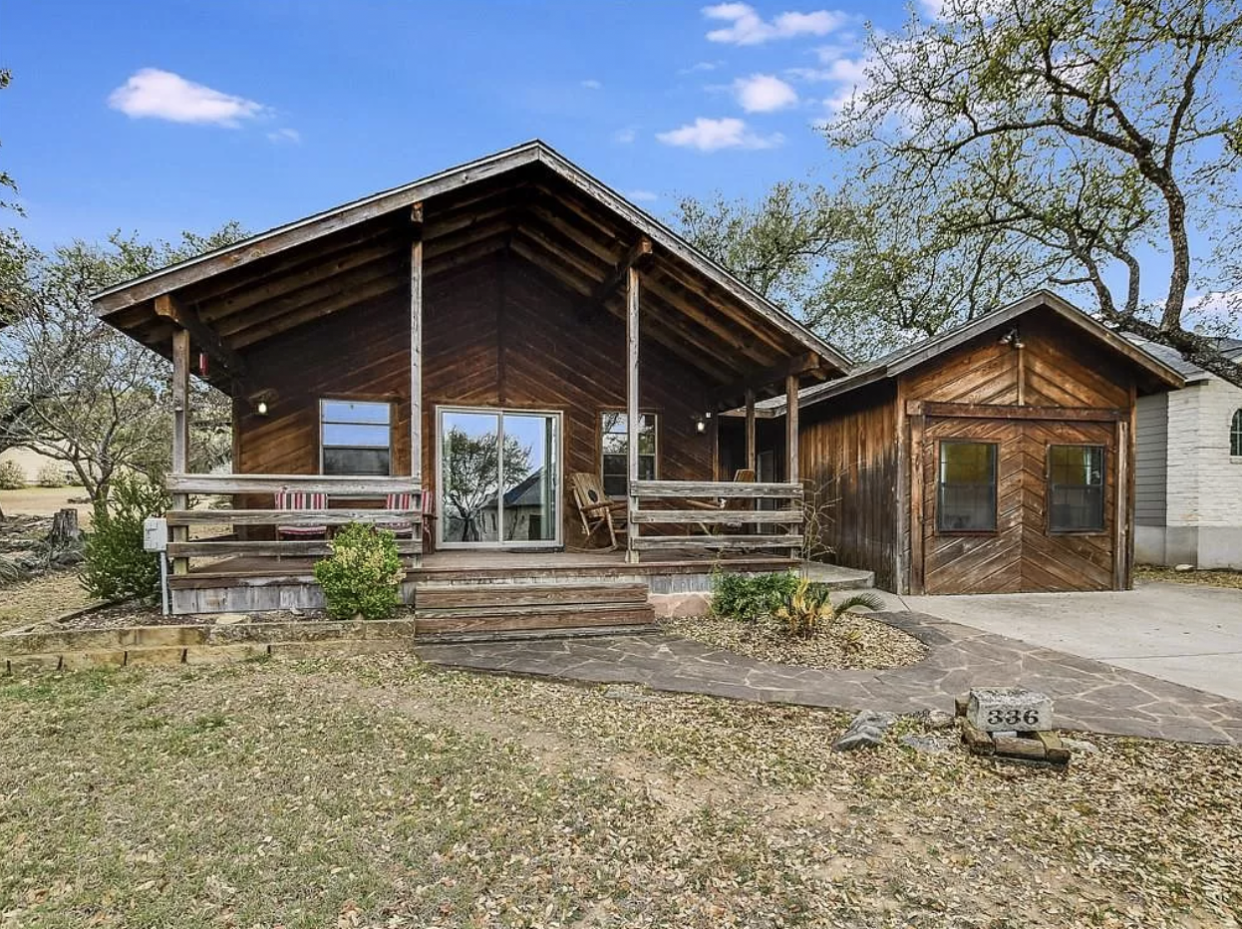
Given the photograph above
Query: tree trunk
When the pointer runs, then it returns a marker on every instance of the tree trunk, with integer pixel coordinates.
(65, 532)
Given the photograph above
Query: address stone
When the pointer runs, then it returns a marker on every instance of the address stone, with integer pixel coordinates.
(999, 709)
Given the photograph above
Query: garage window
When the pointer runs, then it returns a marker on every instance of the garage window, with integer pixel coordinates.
(1076, 488)
(966, 489)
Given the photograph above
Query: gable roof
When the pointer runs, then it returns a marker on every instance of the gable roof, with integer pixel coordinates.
(713, 290)
(911, 356)
(1230, 348)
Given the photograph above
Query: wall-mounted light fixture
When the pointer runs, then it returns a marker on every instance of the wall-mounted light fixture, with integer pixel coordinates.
(262, 401)
(700, 422)
(1012, 339)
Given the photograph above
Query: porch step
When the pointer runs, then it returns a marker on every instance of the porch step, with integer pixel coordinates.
(526, 608)
(433, 596)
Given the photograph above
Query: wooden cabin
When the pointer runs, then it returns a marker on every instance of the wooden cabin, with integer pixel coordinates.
(997, 457)
(445, 355)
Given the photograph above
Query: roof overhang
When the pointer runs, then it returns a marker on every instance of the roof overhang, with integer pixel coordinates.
(1157, 373)
(527, 200)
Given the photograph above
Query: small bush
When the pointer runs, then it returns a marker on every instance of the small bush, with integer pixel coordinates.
(12, 476)
(749, 597)
(809, 608)
(362, 576)
(116, 567)
(51, 475)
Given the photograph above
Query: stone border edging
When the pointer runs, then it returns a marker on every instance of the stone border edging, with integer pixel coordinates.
(134, 646)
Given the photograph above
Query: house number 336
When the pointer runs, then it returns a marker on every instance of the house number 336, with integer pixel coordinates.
(999, 716)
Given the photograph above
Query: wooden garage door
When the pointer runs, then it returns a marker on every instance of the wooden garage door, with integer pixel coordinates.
(1023, 552)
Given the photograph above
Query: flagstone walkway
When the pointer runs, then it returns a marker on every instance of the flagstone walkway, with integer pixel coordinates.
(1088, 695)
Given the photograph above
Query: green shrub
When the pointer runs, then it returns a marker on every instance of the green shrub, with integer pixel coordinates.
(810, 608)
(362, 576)
(51, 475)
(749, 597)
(12, 476)
(116, 567)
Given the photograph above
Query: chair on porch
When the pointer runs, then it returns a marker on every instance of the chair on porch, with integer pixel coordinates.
(596, 508)
(299, 501)
(396, 525)
(724, 505)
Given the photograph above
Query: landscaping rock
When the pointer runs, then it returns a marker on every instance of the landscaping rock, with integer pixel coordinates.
(1184, 568)
(1081, 746)
(866, 731)
(926, 743)
(231, 619)
(937, 719)
(1009, 709)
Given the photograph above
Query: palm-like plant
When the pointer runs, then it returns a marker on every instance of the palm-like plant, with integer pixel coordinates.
(810, 607)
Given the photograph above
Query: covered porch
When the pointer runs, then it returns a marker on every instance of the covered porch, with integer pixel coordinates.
(515, 286)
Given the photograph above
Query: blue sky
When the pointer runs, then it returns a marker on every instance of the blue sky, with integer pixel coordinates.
(159, 117)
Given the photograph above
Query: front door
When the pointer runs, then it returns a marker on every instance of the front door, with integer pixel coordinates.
(498, 473)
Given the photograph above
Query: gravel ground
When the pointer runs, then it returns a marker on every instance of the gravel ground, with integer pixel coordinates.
(1214, 578)
(853, 641)
(138, 614)
(375, 793)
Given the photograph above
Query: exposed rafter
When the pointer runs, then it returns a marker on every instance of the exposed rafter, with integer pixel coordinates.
(203, 336)
(638, 257)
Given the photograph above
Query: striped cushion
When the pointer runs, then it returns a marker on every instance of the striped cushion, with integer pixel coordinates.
(301, 500)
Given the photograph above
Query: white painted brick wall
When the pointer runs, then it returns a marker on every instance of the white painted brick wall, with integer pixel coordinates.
(1204, 483)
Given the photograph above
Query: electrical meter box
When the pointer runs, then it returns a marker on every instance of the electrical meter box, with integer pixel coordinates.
(155, 534)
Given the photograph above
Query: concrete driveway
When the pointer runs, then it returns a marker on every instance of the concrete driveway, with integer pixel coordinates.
(1181, 633)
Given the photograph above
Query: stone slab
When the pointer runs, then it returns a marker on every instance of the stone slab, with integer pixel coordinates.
(1009, 709)
(19, 664)
(85, 661)
(153, 657)
(224, 654)
(337, 648)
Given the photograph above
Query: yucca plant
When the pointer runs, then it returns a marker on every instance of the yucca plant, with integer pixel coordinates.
(810, 607)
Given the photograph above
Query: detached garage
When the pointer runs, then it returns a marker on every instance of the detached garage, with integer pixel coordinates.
(996, 457)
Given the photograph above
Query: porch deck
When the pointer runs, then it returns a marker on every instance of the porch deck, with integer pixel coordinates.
(258, 582)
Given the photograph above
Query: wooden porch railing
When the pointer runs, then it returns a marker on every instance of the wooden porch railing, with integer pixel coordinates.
(737, 514)
(181, 548)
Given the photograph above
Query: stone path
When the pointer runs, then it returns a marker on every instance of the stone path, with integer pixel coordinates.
(1088, 695)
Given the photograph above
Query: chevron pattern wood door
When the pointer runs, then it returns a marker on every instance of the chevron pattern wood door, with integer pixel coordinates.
(1022, 554)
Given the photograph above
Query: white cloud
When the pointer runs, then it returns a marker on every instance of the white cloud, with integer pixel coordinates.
(625, 136)
(163, 95)
(763, 93)
(285, 134)
(592, 84)
(701, 66)
(708, 135)
(747, 27)
(641, 196)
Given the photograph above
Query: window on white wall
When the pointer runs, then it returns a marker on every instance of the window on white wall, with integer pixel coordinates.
(1235, 435)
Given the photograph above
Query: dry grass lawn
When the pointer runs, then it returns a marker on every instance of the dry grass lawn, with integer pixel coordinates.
(377, 793)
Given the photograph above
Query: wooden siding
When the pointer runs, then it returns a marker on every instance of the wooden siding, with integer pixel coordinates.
(849, 466)
(1056, 369)
(499, 333)
(1022, 555)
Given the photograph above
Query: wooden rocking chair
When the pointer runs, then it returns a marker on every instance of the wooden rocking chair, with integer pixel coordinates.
(724, 505)
(596, 508)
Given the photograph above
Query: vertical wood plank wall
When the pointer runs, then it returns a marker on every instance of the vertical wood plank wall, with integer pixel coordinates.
(850, 457)
(499, 333)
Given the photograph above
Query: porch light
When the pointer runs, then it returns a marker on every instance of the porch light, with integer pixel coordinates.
(700, 425)
(262, 400)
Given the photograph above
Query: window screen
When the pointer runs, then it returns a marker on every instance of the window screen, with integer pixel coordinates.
(355, 437)
(614, 441)
(966, 490)
(1075, 488)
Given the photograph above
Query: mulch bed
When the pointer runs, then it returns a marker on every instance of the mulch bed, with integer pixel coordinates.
(123, 615)
(1215, 577)
(853, 642)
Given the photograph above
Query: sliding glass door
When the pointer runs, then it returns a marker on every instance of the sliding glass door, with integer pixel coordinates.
(498, 477)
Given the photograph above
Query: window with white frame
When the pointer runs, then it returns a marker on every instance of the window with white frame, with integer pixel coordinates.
(614, 445)
(355, 437)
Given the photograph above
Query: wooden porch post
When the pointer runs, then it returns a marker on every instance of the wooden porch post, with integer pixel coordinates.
(181, 429)
(791, 447)
(631, 408)
(750, 430)
(416, 356)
